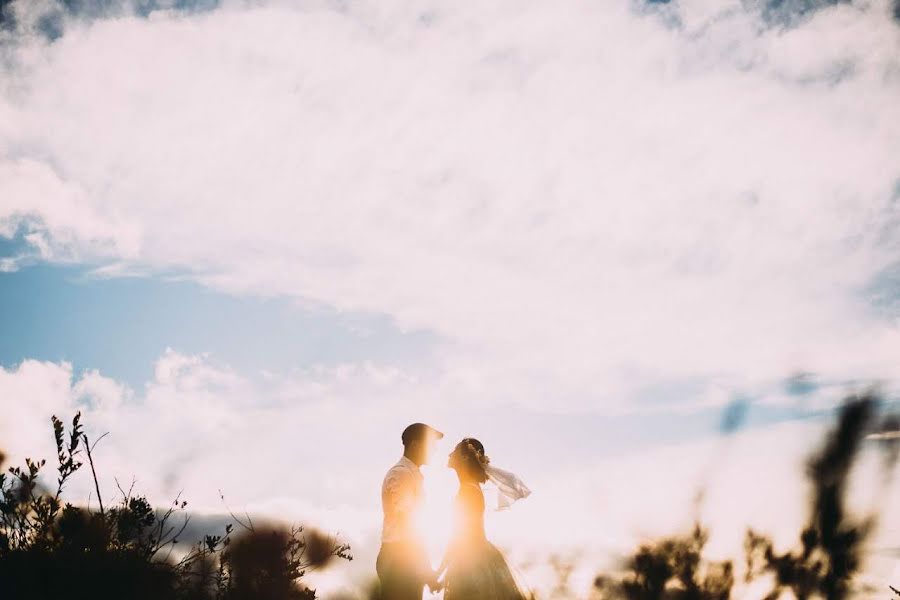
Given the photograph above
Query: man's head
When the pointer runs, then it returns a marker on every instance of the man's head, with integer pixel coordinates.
(418, 440)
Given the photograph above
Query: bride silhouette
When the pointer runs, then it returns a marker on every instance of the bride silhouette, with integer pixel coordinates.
(473, 568)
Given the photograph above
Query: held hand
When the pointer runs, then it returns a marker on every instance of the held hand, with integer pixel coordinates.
(434, 583)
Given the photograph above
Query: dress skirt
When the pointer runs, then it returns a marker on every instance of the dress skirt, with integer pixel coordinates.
(481, 573)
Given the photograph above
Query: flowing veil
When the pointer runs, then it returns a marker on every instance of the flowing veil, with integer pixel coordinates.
(510, 487)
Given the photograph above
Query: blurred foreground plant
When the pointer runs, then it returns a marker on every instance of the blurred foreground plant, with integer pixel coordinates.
(53, 550)
(672, 568)
(830, 545)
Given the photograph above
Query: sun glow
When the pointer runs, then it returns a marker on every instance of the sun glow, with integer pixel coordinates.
(435, 520)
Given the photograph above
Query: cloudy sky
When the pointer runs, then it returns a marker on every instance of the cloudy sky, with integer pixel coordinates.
(253, 240)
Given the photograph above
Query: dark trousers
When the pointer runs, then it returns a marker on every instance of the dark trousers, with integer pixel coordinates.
(402, 569)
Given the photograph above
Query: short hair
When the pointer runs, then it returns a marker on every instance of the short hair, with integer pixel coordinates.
(417, 432)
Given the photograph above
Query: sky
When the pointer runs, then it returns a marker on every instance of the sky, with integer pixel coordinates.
(254, 240)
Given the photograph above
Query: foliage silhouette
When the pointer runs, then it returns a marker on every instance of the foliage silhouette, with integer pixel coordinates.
(671, 568)
(50, 550)
(831, 544)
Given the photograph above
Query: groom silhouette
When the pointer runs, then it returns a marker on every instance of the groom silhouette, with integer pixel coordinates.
(403, 566)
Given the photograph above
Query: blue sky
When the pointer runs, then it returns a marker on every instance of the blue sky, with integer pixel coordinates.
(263, 237)
(120, 326)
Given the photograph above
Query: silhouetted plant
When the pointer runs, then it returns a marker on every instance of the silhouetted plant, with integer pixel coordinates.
(831, 544)
(50, 550)
(672, 568)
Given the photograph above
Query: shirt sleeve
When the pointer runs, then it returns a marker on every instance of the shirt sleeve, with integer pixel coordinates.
(401, 492)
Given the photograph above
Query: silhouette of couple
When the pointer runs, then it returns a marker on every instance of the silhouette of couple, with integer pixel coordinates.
(472, 569)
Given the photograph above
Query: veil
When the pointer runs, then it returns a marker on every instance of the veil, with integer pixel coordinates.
(509, 487)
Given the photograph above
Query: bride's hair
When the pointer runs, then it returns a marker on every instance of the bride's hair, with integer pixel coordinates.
(473, 458)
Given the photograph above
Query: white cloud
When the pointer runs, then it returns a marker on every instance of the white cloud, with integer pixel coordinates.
(102, 392)
(70, 228)
(204, 427)
(31, 393)
(568, 193)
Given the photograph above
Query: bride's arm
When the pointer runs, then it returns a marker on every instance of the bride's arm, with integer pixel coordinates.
(455, 543)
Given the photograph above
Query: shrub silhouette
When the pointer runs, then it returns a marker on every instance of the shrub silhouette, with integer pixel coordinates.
(50, 550)
(671, 568)
(830, 545)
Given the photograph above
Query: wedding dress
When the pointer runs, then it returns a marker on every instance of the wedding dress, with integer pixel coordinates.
(476, 569)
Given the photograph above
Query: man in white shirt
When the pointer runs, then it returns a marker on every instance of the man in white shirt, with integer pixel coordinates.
(403, 566)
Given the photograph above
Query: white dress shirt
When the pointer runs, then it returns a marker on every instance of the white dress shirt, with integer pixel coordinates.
(401, 499)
